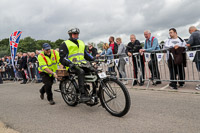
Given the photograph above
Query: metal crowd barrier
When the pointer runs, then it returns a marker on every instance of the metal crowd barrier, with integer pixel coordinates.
(7, 72)
(160, 68)
(163, 69)
(128, 66)
(33, 73)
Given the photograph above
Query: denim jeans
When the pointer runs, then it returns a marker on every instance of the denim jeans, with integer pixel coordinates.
(37, 74)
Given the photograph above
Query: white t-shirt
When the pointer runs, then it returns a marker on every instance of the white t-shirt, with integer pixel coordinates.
(173, 42)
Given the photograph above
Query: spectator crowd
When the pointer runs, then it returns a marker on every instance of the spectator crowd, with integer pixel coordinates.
(25, 67)
(26, 64)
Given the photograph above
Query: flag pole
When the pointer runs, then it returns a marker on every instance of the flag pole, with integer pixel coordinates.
(14, 41)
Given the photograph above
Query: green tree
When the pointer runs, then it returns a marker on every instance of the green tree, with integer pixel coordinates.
(27, 45)
(4, 42)
(57, 43)
(142, 44)
(39, 43)
(100, 45)
(4, 47)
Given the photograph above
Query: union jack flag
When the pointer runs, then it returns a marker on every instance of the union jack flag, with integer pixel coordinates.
(14, 41)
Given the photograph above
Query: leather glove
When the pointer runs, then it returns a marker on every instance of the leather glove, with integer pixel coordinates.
(96, 60)
(71, 65)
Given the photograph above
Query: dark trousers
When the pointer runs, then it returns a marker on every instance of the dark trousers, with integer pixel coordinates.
(23, 76)
(1, 80)
(137, 64)
(8, 72)
(12, 73)
(80, 72)
(176, 70)
(197, 60)
(3, 74)
(197, 65)
(111, 69)
(153, 66)
(48, 82)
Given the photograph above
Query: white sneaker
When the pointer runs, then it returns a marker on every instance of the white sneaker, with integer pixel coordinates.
(125, 82)
(181, 86)
(197, 87)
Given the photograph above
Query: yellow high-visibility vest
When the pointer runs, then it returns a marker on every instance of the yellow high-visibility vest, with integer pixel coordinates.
(46, 62)
(76, 54)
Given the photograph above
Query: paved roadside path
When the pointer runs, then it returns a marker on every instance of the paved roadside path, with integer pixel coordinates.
(151, 112)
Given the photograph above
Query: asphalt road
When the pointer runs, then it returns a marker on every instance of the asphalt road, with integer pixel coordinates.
(151, 112)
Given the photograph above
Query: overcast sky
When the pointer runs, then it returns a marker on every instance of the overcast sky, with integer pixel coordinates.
(98, 19)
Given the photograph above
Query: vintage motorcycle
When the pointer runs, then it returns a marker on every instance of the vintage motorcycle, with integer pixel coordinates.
(100, 86)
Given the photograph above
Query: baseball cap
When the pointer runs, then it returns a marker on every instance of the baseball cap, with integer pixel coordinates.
(46, 46)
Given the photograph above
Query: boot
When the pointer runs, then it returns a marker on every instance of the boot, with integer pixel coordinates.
(24, 82)
(134, 82)
(51, 102)
(83, 97)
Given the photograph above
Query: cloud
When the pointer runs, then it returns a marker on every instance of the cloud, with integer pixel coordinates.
(97, 20)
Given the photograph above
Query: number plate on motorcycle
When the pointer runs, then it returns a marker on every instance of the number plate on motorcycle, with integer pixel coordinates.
(102, 75)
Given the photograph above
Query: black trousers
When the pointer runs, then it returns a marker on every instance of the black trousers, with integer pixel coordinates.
(23, 76)
(47, 87)
(197, 60)
(176, 70)
(137, 65)
(3, 74)
(153, 66)
(80, 72)
(1, 80)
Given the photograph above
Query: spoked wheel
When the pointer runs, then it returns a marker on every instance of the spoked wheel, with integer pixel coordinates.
(68, 92)
(115, 97)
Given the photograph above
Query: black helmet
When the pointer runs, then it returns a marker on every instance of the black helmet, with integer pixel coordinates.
(74, 30)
